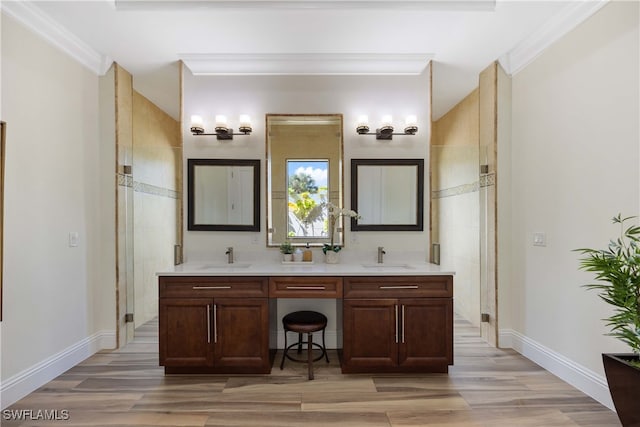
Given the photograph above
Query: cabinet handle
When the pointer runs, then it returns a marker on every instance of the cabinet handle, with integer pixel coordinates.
(215, 323)
(312, 288)
(399, 287)
(208, 323)
(211, 287)
(396, 308)
(402, 323)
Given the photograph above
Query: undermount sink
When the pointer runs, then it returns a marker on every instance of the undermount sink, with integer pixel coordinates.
(384, 266)
(232, 265)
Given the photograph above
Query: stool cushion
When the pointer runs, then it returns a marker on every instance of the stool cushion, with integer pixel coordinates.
(304, 321)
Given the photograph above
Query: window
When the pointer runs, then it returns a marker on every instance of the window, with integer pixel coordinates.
(307, 198)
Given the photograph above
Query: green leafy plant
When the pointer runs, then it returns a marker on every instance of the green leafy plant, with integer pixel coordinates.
(305, 209)
(286, 247)
(617, 274)
(302, 183)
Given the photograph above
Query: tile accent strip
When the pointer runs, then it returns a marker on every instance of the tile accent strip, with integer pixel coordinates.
(141, 187)
(488, 180)
(485, 181)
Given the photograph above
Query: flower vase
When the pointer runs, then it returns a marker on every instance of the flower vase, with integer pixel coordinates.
(331, 257)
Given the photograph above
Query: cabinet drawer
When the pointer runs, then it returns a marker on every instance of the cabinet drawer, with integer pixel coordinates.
(305, 287)
(398, 286)
(207, 286)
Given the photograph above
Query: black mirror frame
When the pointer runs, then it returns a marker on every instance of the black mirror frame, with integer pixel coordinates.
(419, 225)
(192, 226)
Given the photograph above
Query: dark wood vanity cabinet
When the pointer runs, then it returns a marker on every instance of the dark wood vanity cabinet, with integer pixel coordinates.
(397, 324)
(214, 324)
(185, 332)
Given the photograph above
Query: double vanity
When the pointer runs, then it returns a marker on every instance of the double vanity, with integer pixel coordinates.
(224, 318)
(217, 318)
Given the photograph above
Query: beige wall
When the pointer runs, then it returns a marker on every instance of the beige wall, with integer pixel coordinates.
(157, 159)
(59, 301)
(575, 160)
(455, 200)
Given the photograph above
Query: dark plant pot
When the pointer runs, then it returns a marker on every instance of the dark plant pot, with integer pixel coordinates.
(624, 386)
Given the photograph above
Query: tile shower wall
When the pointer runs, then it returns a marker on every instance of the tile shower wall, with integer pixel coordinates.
(156, 181)
(149, 201)
(455, 201)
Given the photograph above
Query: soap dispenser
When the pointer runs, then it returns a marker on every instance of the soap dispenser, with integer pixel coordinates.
(307, 255)
(297, 255)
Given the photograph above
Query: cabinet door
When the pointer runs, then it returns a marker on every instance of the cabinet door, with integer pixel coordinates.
(241, 332)
(185, 327)
(370, 330)
(426, 331)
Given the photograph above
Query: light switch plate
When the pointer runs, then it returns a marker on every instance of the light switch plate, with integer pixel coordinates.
(539, 239)
(73, 239)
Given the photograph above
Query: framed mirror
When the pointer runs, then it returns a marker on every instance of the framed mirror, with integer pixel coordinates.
(304, 175)
(223, 195)
(388, 194)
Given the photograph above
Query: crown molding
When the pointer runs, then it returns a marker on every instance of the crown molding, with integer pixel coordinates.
(306, 64)
(566, 20)
(42, 24)
(450, 5)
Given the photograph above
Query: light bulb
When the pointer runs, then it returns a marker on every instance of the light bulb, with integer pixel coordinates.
(221, 121)
(197, 126)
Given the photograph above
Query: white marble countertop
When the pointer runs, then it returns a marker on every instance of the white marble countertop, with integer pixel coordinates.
(254, 268)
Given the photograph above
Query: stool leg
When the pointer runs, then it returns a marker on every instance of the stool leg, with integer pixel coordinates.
(299, 342)
(284, 351)
(310, 355)
(324, 348)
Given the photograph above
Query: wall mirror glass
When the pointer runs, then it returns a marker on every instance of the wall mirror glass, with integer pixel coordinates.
(388, 194)
(224, 195)
(304, 174)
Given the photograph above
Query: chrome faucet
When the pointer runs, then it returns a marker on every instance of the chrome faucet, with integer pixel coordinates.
(381, 252)
(229, 254)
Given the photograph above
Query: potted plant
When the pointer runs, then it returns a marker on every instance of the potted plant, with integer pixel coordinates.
(334, 213)
(617, 275)
(286, 248)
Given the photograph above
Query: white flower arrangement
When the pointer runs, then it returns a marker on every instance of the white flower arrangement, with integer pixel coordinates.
(334, 212)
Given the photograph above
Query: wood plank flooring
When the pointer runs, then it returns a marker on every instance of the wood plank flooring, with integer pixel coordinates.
(485, 387)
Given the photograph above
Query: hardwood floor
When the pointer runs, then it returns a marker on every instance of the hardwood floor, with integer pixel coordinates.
(485, 387)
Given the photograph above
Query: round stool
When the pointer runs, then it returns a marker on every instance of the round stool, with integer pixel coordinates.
(304, 322)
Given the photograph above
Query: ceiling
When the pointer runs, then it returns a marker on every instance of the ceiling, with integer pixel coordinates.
(459, 37)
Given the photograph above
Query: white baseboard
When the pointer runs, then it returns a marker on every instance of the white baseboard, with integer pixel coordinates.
(29, 380)
(583, 379)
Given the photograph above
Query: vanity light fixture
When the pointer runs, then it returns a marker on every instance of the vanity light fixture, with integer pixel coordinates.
(221, 130)
(385, 131)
